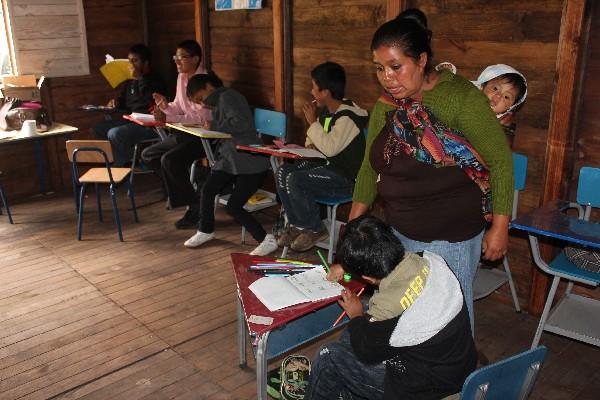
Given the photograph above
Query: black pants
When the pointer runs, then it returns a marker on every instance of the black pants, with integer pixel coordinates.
(173, 157)
(244, 186)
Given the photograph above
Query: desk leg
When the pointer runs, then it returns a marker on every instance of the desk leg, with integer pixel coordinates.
(241, 333)
(261, 366)
(208, 151)
(39, 165)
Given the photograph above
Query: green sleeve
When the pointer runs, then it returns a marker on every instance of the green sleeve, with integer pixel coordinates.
(365, 188)
(482, 129)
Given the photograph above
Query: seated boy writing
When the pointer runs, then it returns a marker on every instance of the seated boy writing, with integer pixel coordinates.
(337, 133)
(415, 340)
(243, 171)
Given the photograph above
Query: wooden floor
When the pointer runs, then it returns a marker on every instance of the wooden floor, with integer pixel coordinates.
(150, 319)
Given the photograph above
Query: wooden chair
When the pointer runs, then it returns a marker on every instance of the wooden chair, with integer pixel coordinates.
(4, 202)
(488, 280)
(509, 379)
(98, 152)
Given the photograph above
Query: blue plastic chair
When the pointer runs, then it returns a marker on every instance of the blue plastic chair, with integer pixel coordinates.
(573, 316)
(5, 202)
(98, 152)
(509, 379)
(488, 280)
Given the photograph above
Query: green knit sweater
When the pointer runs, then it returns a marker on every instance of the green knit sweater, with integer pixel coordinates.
(456, 102)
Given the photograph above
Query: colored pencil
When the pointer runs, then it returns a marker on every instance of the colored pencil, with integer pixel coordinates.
(337, 321)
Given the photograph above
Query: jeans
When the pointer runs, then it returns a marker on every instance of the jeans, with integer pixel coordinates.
(124, 137)
(173, 158)
(336, 373)
(244, 186)
(461, 257)
(299, 184)
(101, 128)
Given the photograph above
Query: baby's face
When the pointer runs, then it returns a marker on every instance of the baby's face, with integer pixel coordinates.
(502, 95)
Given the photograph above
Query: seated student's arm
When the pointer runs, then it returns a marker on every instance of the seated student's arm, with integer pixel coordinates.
(370, 340)
(340, 136)
(149, 84)
(234, 110)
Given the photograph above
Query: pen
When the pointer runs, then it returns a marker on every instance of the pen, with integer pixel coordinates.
(344, 312)
(324, 262)
(314, 102)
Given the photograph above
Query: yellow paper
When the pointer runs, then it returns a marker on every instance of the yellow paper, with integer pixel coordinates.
(116, 72)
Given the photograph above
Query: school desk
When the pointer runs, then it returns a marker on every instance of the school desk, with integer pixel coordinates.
(291, 327)
(205, 136)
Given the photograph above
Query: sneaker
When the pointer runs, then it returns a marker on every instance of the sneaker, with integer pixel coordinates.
(288, 235)
(308, 239)
(189, 220)
(266, 247)
(198, 239)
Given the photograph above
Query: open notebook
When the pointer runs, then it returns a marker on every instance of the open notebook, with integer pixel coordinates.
(278, 292)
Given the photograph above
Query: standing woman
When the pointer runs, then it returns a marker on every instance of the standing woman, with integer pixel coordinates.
(245, 171)
(436, 182)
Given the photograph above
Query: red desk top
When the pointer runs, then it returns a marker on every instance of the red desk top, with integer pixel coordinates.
(253, 306)
(157, 124)
(270, 150)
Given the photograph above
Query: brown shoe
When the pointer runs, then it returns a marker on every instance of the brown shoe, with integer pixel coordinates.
(288, 235)
(307, 239)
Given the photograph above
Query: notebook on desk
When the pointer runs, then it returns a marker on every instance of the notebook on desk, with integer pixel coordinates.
(280, 292)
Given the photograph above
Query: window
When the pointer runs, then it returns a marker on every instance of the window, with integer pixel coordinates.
(47, 37)
(5, 62)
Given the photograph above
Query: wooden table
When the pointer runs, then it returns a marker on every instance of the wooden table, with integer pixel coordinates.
(291, 327)
(57, 129)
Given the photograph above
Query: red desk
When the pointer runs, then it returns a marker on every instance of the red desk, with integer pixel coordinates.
(291, 327)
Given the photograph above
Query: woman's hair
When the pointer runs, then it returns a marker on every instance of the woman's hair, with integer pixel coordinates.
(408, 32)
(369, 247)
(142, 51)
(199, 82)
(192, 48)
(331, 76)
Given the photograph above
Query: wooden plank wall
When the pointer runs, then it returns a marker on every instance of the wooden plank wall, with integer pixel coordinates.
(323, 32)
(168, 24)
(242, 51)
(112, 27)
(587, 144)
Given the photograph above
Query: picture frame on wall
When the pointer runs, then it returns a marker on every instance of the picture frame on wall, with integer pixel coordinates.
(224, 5)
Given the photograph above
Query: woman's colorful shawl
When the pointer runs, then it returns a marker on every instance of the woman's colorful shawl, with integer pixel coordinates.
(413, 129)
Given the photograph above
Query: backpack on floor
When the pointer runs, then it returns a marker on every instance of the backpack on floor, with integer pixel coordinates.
(295, 370)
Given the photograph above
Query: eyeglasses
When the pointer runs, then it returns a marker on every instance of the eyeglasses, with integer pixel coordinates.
(181, 58)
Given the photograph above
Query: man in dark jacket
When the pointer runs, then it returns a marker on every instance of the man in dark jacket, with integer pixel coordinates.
(136, 96)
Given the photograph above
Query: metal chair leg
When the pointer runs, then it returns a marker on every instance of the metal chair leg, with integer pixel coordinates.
(113, 197)
(5, 202)
(332, 212)
(511, 284)
(98, 202)
(132, 198)
(546, 312)
(80, 211)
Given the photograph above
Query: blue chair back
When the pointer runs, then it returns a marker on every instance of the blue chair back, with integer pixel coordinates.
(520, 170)
(268, 122)
(509, 379)
(588, 188)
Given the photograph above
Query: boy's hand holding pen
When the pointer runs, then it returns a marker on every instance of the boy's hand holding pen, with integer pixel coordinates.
(351, 304)
(160, 100)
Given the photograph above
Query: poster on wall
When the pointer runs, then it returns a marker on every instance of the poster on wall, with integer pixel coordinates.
(222, 5)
